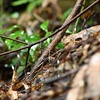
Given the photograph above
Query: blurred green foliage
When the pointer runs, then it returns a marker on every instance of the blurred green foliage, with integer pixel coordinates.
(31, 3)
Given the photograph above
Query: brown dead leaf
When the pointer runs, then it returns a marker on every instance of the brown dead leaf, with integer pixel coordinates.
(93, 77)
(83, 35)
(86, 83)
(77, 85)
(13, 95)
(3, 96)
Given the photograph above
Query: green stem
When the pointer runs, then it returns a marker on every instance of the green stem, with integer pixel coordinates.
(77, 21)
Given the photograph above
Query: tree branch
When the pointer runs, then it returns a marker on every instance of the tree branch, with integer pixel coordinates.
(56, 40)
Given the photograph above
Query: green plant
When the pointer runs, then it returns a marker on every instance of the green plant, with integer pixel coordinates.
(44, 27)
(16, 38)
(31, 3)
(66, 14)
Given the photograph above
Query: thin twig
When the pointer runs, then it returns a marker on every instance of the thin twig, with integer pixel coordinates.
(27, 60)
(14, 40)
(63, 75)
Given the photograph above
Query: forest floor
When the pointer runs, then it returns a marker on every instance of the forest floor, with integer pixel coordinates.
(68, 71)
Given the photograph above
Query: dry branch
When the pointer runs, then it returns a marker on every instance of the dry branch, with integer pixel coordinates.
(57, 38)
(74, 14)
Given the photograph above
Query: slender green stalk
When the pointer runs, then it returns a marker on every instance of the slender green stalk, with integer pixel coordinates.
(77, 21)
